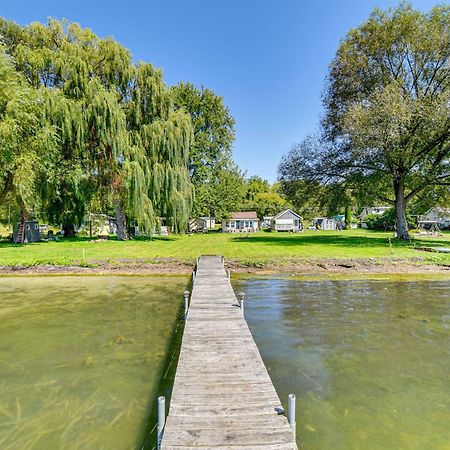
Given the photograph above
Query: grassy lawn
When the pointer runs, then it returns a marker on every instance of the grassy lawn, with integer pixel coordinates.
(261, 246)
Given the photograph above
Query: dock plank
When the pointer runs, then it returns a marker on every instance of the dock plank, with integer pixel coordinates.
(222, 397)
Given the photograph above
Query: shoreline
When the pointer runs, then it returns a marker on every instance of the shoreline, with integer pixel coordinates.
(293, 267)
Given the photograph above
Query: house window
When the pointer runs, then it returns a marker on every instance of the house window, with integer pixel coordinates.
(36, 226)
(246, 224)
(28, 227)
(232, 224)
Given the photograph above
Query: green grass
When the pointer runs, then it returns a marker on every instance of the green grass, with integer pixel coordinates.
(258, 248)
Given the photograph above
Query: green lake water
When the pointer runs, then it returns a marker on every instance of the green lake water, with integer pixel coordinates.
(82, 359)
(369, 361)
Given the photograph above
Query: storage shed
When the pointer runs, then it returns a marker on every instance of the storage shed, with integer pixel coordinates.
(27, 231)
(324, 223)
(287, 220)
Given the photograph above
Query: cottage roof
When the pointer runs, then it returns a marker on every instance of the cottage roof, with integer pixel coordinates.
(284, 212)
(439, 210)
(377, 207)
(245, 215)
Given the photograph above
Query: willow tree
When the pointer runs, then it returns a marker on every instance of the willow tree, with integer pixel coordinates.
(388, 99)
(26, 144)
(68, 66)
(156, 166)
(118, 130)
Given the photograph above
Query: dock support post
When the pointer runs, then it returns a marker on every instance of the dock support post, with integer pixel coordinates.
(161, 419)
(229, 275)
(241, 301)
(291, 412)
(186, 304)
(193, 276)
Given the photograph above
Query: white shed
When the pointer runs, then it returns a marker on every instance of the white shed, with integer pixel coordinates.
(325, 223)
(287, 220)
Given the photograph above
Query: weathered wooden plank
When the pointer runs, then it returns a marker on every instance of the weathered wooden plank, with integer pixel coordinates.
(223, 397)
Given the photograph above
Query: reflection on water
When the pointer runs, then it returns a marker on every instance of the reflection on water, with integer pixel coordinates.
(368, 360)
(81, 359)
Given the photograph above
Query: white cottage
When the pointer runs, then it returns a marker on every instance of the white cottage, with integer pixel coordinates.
(378, 210)
(287, 220)
(240, 222)
(439, 215)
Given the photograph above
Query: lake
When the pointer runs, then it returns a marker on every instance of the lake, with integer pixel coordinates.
(82, 358)
(369, 361)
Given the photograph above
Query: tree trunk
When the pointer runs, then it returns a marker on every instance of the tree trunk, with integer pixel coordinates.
(69, 230)
(348, 217)
(400, 210)
(121, 222)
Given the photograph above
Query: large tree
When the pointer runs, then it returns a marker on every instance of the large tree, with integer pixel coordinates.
(210, 157)
(26, 143)
(117, 125)
(222, 195)
(388, 105)
(313, 181)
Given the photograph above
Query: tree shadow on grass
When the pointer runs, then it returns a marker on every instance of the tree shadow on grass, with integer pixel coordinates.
(83, 239)
(343, 240)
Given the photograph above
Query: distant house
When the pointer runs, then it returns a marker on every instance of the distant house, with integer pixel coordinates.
(324, 223)
(373, 210)
(378, 210)
(210, 222)
(202, 224)
(266, 222)
(240, 222)
(439, 215)
(287, 220)
(27, 231)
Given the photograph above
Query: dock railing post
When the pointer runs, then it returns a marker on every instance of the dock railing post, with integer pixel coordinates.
(186, 304)
(161, 419)
(291, 412)
(193, 276)
(241, 301)
(229, 274)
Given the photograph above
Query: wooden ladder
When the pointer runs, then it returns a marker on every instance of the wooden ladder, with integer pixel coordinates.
(20, 236)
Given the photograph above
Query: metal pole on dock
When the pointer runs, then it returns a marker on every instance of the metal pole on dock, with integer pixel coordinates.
(291, 412)
(186, 304)
(161, 419)
(241, 301)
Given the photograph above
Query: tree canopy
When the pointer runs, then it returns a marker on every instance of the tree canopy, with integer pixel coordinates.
(115, 128)
(386, 130)
(210, 162)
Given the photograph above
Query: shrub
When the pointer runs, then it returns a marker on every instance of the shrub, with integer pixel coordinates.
(385, 221)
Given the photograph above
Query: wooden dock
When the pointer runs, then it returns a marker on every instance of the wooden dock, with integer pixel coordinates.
(222, 397)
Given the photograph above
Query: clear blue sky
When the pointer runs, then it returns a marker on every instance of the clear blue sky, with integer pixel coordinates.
(267, 58)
